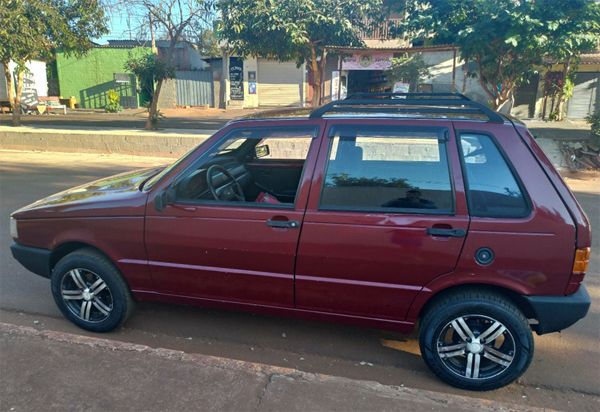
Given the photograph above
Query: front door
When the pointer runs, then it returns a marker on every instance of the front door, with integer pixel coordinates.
(383, 218)
(229, 235)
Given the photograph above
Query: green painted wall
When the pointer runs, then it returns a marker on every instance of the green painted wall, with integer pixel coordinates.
(89, 78)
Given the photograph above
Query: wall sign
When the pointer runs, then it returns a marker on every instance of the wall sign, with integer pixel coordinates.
(252, 82)
(236, 78)
(367, 61)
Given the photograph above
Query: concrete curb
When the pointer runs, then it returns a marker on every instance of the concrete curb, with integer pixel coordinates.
(168, 143)
(404, 396)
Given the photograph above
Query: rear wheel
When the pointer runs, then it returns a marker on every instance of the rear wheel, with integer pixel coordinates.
(476, 340)
(90, 291)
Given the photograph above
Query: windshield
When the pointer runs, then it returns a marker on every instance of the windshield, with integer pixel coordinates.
(152, 181)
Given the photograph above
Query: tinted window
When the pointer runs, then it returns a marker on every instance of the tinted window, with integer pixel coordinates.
(387, 169)
(493, 190)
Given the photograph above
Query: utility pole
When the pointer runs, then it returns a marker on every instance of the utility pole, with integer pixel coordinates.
(153, 41)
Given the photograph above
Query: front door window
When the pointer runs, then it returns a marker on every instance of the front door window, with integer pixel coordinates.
(251, 167)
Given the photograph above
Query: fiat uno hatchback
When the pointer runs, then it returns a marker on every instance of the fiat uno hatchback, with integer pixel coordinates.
(385, 210)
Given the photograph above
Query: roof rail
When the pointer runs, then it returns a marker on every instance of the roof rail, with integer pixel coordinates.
(429, 104)
(363, 95)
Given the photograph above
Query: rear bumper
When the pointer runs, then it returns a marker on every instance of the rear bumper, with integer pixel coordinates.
(556, 313)
(33, 259)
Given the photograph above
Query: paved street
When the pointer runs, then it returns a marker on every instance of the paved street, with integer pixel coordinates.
(564, 374)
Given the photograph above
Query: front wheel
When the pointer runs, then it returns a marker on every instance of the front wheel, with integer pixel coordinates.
(90, 291)
(476, 340)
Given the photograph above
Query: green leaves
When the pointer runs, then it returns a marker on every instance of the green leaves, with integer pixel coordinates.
(507, 38)
(32, 29)
(285, 30)
(147, 65)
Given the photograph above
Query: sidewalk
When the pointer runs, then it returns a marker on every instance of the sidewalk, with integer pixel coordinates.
(47, 370)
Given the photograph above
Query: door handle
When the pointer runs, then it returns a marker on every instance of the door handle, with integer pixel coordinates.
(434, 231)
(285, 224)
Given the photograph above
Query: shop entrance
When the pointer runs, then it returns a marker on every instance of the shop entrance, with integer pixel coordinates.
(367, 81)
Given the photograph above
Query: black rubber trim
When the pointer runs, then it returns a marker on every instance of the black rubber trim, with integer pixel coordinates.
(33, 259)
(556, 313)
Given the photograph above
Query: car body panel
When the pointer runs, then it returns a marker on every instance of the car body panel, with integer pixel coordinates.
(227, 251)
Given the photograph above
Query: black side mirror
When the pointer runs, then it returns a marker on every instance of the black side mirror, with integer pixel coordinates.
(164, 198)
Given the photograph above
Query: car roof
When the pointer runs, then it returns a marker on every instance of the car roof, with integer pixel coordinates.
(414, 106)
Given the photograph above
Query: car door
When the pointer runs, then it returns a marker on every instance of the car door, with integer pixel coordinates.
(233, 250)
(386, 214)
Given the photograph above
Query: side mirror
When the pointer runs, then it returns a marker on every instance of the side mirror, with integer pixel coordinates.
(164, 198)
(262, 151)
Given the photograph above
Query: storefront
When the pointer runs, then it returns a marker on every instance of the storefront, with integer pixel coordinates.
(364, 70)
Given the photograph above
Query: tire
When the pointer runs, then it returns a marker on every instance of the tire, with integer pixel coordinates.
(90, 292)
(476, 340)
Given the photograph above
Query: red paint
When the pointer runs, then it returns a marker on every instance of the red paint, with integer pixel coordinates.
(372, 269)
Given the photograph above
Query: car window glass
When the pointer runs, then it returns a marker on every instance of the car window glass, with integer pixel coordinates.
(387, 169)
(492, 189)
(237, 170)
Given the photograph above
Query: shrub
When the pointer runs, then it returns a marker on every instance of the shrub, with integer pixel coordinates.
(594, 120)
(114, 102)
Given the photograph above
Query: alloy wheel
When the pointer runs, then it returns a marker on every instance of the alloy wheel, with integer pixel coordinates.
(86, 295)
(476, 347)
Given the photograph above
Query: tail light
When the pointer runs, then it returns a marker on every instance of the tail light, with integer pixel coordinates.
(580, 265)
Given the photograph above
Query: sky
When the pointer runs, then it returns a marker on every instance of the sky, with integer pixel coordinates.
(121, 26)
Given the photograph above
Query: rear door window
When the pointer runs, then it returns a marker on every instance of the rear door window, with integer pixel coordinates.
(387, 169)
(492, 188)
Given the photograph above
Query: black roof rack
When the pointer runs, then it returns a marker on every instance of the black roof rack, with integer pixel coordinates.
(426, 103)
(363, 95)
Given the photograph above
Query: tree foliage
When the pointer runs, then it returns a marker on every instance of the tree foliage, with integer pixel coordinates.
(295, 30)
(34, 29)
(507, 39)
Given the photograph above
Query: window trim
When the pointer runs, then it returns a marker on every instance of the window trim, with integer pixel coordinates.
(443, 139)
(511, 168)
(316, 129)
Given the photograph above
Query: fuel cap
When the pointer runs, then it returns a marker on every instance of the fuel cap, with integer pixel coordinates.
(484, 256)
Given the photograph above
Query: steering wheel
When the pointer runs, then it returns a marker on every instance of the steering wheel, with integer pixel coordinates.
(227, 191)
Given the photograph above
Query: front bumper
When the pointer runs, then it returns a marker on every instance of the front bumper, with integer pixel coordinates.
(556, 313)
(33, 259)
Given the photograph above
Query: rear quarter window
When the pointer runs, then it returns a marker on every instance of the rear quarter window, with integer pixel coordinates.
(492, 188)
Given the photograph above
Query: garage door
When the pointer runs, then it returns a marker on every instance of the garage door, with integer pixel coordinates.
(585, 95)
(279, 84)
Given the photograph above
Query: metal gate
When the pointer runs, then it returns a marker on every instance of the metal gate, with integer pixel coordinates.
(585, 97)
(194, 88)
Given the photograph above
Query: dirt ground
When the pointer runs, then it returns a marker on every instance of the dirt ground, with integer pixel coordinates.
(588, 181)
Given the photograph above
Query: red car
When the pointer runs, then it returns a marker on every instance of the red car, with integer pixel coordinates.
(379, 210)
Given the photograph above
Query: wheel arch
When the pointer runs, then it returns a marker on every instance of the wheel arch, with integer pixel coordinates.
(64, 249)
(515, 298)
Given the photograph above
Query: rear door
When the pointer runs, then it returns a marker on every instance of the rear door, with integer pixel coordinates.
(386, 215)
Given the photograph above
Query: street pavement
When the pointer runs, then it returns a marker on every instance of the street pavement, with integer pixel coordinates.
(564, 374)
(100, 374)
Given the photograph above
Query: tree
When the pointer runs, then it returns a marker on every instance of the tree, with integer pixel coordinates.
(573, 28)
(175, 21)
(34, 29)
(149, 68)
(409, 69)
(507, 39)
(295, 30)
